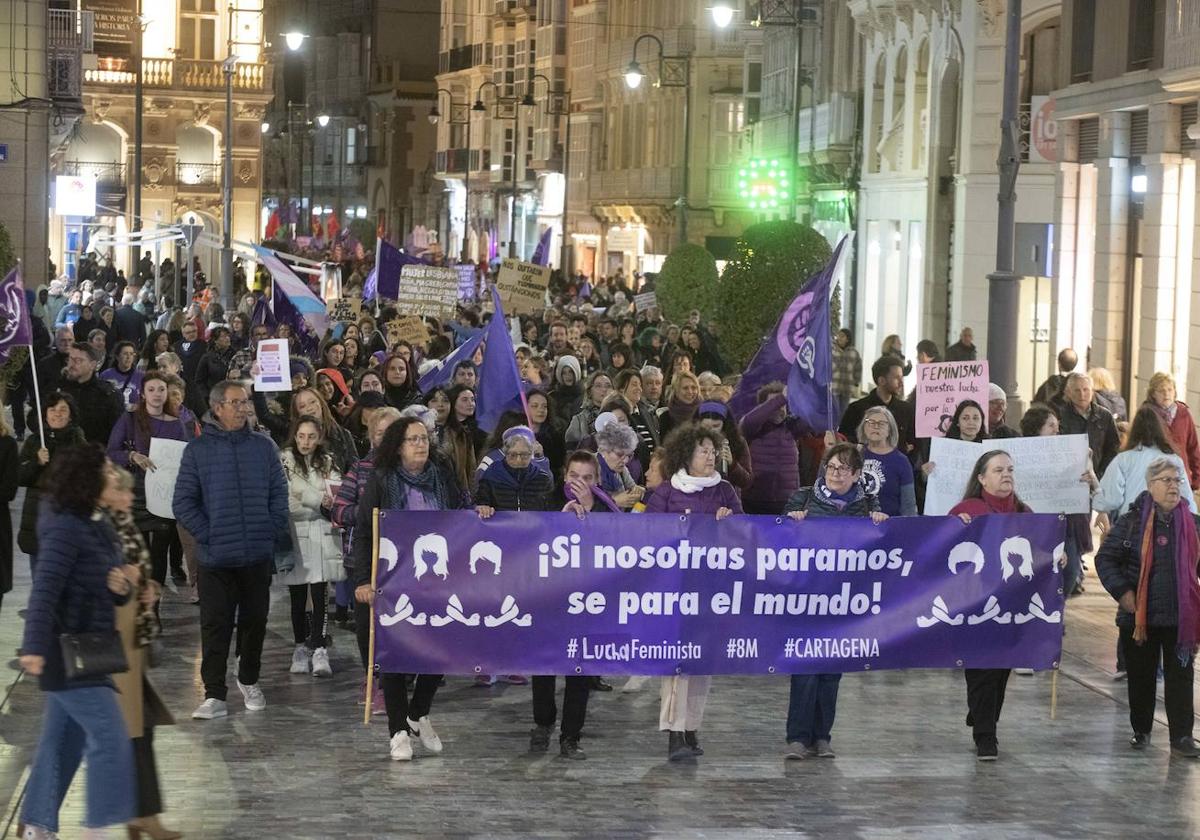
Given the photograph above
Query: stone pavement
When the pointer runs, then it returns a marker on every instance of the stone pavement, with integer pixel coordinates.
(308, 768)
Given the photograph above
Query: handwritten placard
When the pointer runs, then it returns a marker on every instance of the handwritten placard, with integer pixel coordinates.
(343, 309)
(941, 386)
(273, 371)
(427, 290)
(645, 301)
(522, 287)
(1046, 471)
(468, 286)
(410, 328)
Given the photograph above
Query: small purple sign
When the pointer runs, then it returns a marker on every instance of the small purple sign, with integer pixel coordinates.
(547, 593)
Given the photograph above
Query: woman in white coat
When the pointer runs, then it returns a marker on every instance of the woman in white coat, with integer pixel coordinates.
(316, 554)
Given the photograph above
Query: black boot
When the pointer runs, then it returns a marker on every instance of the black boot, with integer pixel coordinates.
(539, 739)
(569, 748)
(690, 739)
(677, 748)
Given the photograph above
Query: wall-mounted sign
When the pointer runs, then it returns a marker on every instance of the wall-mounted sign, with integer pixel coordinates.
(75, 195)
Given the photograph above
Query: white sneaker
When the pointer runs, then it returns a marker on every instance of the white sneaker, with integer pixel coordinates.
(424, 730)
(1023, 672)
(400, 747)
(36, 832)
(255, 702)
(209, 709)
(320, 663)
(301, 660)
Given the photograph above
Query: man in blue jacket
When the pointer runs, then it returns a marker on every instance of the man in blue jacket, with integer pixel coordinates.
(232, 496)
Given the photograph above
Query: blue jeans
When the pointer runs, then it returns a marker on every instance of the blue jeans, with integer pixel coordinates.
(1073, 573)
(82, 722)
(812, 705)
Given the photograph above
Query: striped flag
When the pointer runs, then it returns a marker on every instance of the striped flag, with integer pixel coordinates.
(301, 298)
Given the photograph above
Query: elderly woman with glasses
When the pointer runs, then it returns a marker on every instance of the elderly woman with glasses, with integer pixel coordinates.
(887, 472)
(616, 443)
(838, 491)
(1148, 563)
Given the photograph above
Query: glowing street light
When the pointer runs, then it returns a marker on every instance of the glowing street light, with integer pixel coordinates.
(634, 75)
(722, 14)
(322, 120)
(294, 40)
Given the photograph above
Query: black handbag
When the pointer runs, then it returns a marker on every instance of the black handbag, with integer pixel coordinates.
(90, 655)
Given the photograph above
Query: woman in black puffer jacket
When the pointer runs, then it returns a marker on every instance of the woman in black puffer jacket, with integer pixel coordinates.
(514, 483)
(60, 422)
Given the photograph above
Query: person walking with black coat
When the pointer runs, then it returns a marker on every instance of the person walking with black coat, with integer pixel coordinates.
(99, 404)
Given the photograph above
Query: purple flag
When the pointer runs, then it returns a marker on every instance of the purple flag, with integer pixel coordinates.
(811, 371)
(286, 313)
(441, 375)
(384, 279)
(500, 388)
(15, 329)
(775, 357)
(547, 593)
(541, 254)
(262, 315)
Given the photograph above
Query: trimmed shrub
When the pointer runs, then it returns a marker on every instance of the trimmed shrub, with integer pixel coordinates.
(688, 280)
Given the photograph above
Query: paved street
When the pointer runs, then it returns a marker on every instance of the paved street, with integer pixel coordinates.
(307, 768)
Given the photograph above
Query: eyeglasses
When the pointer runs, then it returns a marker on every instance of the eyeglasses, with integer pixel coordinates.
(519, 456)
(236, 403)
(417, 439)
(1170, 481)
(838, 469)
(875, 424)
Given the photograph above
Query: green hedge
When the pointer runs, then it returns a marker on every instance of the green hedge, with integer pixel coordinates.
(688, 280)
(772, 262)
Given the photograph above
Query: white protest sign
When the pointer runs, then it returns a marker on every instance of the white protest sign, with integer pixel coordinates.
(274, 372)
(427, 290)
(522, 287)
(1046, 469)
(941, 386)
(644, 301)
(160, 481)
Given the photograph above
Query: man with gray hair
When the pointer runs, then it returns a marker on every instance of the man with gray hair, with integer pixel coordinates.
(1080, 415)
(232, 496)
(652, 386)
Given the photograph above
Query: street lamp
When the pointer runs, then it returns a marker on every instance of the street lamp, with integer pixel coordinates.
(674, 71)
(265, 127)
(722, 14)
(322, 120)
(294, 40)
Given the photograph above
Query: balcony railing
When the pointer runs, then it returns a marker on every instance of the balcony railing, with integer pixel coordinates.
(185, 73)
(453, 161)
(636, 185)
(203, 175)
(827, 125)
(108, 175)
(68, 37)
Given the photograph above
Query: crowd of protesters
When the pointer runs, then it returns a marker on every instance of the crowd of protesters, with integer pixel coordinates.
(627, 413)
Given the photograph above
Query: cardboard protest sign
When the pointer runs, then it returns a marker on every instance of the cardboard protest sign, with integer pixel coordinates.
(522, 287)
(343, 309)
(410, 328)
(1046, 470)
(427, 290)
(941, 386)
(644, 301)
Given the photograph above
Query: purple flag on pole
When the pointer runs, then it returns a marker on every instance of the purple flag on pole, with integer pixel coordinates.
(262, 315)
(500, 387)
(441, 375)
(812, 368)
(541, 254)
(667, 594)
(775, 357)
(15, 329)
(286, 313)
(371, 284)
(384, 279)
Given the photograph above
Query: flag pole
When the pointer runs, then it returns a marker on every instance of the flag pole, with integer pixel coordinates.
(378, 251)
(37, 391)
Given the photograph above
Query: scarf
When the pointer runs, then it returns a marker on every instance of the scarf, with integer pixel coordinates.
(685, 482)
(680, 411)
(428, 481)
(838, 500)
(1167, 414)
(135, 553)
(999, 504)
(598, 492)
(1187, 553)
(611, 480)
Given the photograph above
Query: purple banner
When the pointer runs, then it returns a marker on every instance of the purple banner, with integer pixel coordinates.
(547, 593)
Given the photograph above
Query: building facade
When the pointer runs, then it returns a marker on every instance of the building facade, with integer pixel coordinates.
(183, 44)
(932, 90)
(1126, 190)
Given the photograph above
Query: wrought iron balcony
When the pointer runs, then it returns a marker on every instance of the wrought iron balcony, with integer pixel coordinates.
(108, 175)
(198, 175)
(68, 37)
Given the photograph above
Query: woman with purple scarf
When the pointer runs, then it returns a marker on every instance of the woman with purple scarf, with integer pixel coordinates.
(1148, 563)
(812, 701)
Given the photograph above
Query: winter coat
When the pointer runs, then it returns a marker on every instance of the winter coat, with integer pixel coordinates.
(212, 370)
(582, 424)
(1100, 428)
(1183, 434)
(1114, 402)
(666, 499)
(127, 438)
(70, 591)
(774, 454)
(316, 549)
(1119, 560)
(129, 325)
(232, 496)
(8, 491)
(814, 504)
(100, 406)
(503, 488)
(345, 504)
(29, 476)
(1125, 480)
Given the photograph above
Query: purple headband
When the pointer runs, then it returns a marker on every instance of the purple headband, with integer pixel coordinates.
(713, 407)
(521, 432)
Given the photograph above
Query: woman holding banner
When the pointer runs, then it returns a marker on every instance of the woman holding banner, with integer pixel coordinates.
(812, 701)
(992, 489)
(404, 478)
(694, 487)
